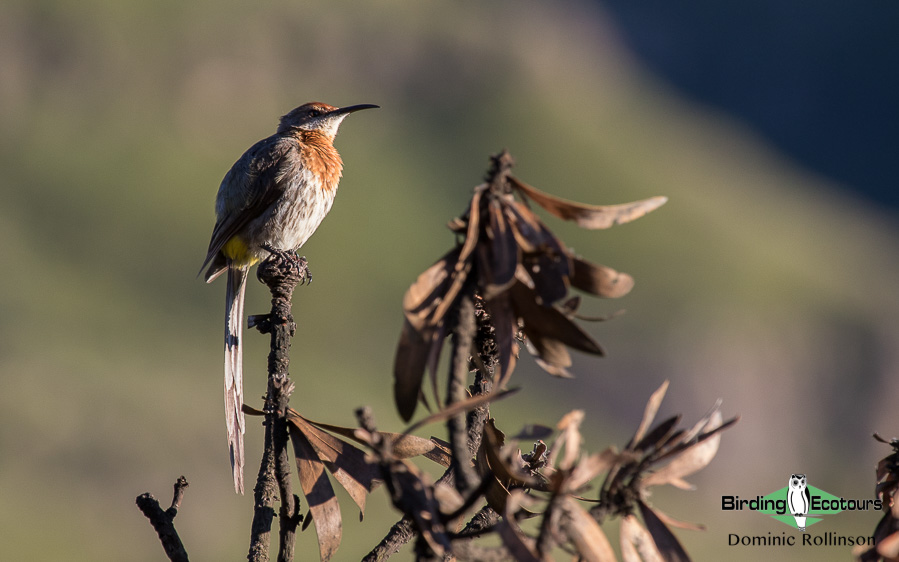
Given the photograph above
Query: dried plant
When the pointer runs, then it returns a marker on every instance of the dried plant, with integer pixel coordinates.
(521, 270)
(506, 281)
(317, 449)
(550, 483)
(886, 534)
(661, 455)
(434, 506)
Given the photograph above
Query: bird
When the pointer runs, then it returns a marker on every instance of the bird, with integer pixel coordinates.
(273, 198)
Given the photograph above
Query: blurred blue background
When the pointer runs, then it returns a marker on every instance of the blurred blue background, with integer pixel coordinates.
(815, 80)
(769, 279)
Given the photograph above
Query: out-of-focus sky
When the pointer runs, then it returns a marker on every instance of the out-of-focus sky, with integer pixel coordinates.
(815, 80)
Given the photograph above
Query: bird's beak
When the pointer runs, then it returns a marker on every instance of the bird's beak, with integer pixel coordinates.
(351, 109)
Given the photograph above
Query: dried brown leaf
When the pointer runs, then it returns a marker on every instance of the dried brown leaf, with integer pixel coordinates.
(547, 323)
(474, 225)
(690, 460)
(571, 421)
(458, 225)
(497, 495)
(886, 488)
(502, 472)
(441, 453)
(406, 446)
(649, 414)
(551, 355)
(883, 467)
(448, 499)
(636, 543)
(463, 268)
(327, 447)
(437, 340)
(672, 522)
(251, 411)
(526, 227)
(570, 306)
(319, 494)
(589, 216)
(347, 463)
(590, 467)
(532, 432)
(682, 444)
(600, 318)
(549, 276)
(412, 492)
(889, 547)
(429, 290)
(509, 473)
(569, 439)
(463, 265)
(557, 250)
(503, 252)
(665, 541)
(703, 424)
(504, 325)
(520, 546)
(600, 280)
(403, 445)
(589, 540)
(554, 370)
(658, 435)
(409, 368)
(883, 531)
(469, 403)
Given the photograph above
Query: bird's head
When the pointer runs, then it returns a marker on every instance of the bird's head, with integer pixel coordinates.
(317, 116)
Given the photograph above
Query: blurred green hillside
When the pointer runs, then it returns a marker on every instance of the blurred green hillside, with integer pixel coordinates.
(756, 283)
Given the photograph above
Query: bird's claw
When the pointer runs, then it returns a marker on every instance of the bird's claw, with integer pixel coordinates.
(303, 271)
(298, 265)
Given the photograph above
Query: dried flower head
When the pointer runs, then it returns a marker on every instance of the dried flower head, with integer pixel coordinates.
(521, 270)
(562, 471)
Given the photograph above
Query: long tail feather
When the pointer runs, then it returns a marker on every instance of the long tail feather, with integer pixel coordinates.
(234, 418)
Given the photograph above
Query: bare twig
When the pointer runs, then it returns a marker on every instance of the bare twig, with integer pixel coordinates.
(463, 338)
(263, 500)
(281, 273)
(482, 521)
(403, 530)
(486, 361)
(163, 521)
(468, 550)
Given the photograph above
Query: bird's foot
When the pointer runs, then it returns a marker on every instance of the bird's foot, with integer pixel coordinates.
(297, 265)
(302, 266)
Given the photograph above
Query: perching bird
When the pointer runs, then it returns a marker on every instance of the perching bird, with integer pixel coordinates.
(274, 196)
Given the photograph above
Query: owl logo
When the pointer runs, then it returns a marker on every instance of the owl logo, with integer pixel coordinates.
(798, 498)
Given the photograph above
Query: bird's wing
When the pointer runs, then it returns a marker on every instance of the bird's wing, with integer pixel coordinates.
(253, 183)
